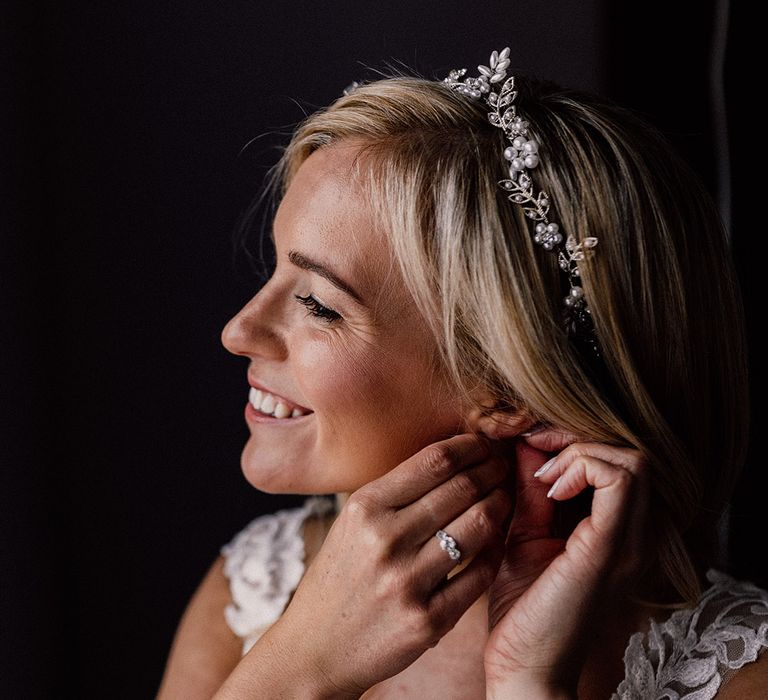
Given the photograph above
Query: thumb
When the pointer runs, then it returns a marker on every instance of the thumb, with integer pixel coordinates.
(534, 512)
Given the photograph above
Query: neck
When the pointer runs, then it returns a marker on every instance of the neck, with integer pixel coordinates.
(341, 499)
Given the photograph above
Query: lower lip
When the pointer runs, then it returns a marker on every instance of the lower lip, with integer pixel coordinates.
(254, 416)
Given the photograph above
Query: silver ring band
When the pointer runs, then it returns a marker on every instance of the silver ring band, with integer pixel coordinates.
(448, 544)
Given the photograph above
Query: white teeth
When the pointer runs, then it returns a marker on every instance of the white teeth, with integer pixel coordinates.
(266, 403)
(281, 410)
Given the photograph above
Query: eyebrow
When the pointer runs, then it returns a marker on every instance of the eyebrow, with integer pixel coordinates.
(306, 263)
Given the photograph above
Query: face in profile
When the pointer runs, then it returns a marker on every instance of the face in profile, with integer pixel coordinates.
(352, 354)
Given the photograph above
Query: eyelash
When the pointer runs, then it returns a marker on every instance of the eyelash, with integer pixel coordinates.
(317, 309)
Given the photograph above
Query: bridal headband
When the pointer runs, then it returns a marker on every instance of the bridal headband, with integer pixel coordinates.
(522, 155)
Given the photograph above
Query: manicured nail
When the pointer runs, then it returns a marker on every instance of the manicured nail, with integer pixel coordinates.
(554, 486)
(533, 431)
(544, 467)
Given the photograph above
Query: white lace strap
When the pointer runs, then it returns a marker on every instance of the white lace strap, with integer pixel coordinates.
(697, 650)
(264, 563)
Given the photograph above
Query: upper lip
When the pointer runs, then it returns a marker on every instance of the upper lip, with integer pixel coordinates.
(277, 395)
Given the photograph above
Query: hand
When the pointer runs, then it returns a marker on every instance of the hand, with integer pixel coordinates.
(376, 595)
(546, 594)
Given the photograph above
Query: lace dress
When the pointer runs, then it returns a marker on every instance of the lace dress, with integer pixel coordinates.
(687, 657)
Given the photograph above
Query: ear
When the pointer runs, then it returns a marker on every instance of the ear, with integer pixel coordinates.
(497, 423)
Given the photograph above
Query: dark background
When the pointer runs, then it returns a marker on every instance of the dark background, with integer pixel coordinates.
(123, 176)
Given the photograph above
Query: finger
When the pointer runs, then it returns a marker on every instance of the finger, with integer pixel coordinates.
(417, 522)
(598, 537)
(450, 600)
(429, 467)
(534, 514)
(627, 457)
(477, 528)
(551, 439)
(635, 462)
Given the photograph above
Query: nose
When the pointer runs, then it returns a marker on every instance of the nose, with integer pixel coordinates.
(254, 330)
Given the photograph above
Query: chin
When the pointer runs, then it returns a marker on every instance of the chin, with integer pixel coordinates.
(283, 480)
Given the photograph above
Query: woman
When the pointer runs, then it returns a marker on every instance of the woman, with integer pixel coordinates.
(525, 487)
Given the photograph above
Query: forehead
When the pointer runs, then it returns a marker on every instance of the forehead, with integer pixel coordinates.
(325, 211)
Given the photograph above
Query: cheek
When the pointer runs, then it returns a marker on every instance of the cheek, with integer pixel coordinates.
(339, 376)
(375, 406)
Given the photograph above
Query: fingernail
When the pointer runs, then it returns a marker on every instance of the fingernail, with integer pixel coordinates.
(533, 431)
(554, 486)
(544, 467)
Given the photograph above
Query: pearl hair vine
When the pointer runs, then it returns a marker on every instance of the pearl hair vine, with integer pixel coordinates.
(522, 155)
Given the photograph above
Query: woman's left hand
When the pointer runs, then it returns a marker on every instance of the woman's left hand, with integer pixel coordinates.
(549, 591)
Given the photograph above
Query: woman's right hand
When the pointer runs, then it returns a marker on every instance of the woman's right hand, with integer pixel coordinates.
(376, 596)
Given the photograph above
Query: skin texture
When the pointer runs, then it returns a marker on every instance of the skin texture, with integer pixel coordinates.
(363, 375)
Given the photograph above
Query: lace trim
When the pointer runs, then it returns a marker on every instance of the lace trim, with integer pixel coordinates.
(264, 563)
(696, 650)
(687, 657)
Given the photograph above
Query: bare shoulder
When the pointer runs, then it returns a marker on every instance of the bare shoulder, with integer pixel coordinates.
(204, 650)
(750, 682)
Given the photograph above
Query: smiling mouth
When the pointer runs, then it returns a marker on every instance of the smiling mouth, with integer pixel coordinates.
(265, 404)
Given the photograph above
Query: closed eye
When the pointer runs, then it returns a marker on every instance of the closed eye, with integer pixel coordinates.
(317, 309)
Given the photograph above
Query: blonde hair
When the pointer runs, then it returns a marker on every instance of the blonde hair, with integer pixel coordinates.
(661, 285)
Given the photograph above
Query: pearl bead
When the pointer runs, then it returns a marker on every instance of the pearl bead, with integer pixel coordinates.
(518, 164)
(540, 228)
(532, 161)
(531, 146)
(552, 228)
(518, 142)
(510, 153)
